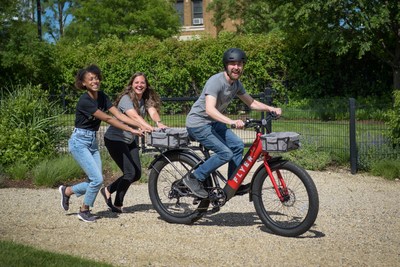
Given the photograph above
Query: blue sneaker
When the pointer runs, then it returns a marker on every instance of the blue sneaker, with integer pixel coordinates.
(86, 216)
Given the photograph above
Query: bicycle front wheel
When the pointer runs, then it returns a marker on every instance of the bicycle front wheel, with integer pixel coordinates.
(296, 212)
(170, 198)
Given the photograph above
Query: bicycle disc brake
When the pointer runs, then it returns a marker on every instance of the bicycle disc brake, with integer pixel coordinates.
(289, 197)
(217, 197)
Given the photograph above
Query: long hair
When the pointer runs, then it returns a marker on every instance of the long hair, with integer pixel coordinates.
(80, 76)
(150, 96)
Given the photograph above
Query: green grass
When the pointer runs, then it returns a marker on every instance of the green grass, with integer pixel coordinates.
(18, 171)
(15, 255)
(388, 168)
(56, 171)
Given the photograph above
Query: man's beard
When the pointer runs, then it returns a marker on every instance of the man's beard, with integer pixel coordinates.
(234, 76)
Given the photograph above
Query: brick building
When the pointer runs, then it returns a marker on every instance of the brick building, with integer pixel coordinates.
(196, 21)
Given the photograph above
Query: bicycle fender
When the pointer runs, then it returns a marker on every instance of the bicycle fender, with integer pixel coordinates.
(167, 154)
(273, 162)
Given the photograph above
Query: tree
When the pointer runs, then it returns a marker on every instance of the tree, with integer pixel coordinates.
(93, 19)
(23, 57)
(341, 25)
(219, 8)
(57, 13)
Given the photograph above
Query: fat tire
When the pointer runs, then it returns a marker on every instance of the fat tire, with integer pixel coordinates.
(286, 219)
(161, 178)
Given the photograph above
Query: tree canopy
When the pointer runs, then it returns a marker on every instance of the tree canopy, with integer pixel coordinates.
(342, 26)
(95, 19)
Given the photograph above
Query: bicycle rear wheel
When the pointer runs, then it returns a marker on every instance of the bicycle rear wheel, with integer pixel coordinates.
(297, 212)
(170, 198)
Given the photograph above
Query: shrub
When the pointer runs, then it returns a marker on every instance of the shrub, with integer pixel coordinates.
(18, 171)
(56, 171)
(389, 169)
(310, 158)
(28, 126)
(394, 120)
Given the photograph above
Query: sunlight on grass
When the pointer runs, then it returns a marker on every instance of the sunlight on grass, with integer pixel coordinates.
(12, 254)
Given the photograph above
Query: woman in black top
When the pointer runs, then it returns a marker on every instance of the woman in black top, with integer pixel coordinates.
(90, 112)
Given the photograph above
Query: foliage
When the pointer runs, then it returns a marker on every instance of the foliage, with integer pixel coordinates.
(12, 254)
(18, 171)
(306, 157)
(389, 169)
(175, 68)
(56, 15)
(24, 58)
(394, 120)
(122, 18)
(56, 171)
(29, 132)
(339, 26)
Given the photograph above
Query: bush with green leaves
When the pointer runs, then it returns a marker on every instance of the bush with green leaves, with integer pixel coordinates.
(28, 126)
(394, 120)
(175, 68)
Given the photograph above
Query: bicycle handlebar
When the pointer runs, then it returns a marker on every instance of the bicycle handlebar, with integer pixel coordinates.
(258, 123)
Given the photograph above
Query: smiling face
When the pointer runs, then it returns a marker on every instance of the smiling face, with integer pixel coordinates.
(91, 81)
(234, 70)
(139, 86)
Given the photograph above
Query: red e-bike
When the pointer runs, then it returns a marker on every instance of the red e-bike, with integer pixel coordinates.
(284, 195)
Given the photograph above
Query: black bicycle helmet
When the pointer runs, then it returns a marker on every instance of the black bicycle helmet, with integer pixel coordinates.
(234, 54)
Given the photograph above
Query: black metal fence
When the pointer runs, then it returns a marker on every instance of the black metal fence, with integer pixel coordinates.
(350, 137)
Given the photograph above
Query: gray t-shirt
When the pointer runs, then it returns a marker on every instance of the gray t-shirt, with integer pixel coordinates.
(218, 87)
(116, 134)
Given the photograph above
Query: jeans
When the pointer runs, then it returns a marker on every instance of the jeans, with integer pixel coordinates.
(225, 144)
(85, 150)
(127, 158)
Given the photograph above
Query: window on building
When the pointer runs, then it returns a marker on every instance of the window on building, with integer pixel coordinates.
(179, 10)
(197, 12)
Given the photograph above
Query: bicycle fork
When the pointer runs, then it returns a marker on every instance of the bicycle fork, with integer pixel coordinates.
(281, 189)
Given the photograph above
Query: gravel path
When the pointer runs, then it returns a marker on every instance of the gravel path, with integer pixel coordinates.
(358, 225)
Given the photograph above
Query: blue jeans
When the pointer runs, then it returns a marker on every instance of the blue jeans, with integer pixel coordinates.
(225, 144)
(85, 150)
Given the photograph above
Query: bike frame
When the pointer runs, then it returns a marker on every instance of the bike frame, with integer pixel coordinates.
(247, 164)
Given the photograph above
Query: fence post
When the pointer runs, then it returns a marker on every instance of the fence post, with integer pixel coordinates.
(268, 100)
(353, 143)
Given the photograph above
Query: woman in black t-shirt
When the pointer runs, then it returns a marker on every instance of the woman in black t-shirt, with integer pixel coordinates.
(90, 112)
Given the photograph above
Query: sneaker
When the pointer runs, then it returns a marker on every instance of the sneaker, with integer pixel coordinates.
(86, 216)
(243, 189)
(195, 186)
(64, 198)
(109, 202)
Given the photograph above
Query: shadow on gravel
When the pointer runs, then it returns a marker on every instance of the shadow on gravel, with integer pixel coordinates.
(235, 219)
(309, 234)
(230, 219)
(138, 208)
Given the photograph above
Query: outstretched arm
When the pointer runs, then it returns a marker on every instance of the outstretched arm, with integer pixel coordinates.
(156, 117)
(115, 122)
(131, 113)
(257, 105)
